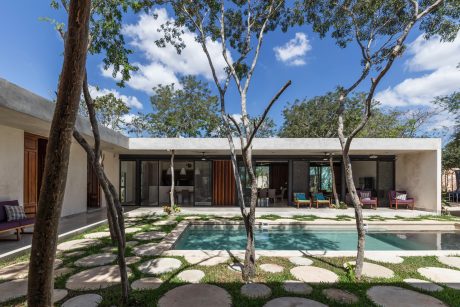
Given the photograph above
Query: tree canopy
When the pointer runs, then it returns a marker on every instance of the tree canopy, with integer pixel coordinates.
(451, 151)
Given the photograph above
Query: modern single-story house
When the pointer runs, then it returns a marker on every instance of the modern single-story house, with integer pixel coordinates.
(203, 172)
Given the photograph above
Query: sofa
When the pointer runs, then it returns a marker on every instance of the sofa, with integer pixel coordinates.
(16, 226)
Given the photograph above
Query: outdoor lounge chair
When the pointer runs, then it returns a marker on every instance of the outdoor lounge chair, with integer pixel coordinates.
(301, 199)
(365, 197)
(320, 199)
(397, 199)
(17, 226)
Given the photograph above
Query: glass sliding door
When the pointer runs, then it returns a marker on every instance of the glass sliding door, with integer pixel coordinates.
(149, 183)
(300, 177)
(184, 176)
(385, 181)
(203, 185)
(128, 182)
(320, 178)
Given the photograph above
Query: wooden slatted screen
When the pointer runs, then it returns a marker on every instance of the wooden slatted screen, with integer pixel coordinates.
(30, 174)
(223, 183)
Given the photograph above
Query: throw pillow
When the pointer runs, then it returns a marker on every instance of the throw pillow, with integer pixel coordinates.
(15, 213)
(365, 195)
(401, 196)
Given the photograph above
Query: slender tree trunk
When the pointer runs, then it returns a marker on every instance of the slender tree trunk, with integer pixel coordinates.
(334, 187)
(358, 215)
(171, 193)
(44, 241)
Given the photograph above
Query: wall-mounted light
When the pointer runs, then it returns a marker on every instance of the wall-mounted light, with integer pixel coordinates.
(203, 158)
(373, 157)
(182, 171)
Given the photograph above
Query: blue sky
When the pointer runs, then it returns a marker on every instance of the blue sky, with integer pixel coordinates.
(31, 56)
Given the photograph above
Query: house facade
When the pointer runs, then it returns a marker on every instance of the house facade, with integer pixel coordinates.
(203, 172)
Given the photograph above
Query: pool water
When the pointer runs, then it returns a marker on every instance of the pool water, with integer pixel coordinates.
(211, 237)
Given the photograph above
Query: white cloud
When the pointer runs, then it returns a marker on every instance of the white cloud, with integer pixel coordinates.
(130, 101)
(293, 52)
(439, 60)
(165, 65)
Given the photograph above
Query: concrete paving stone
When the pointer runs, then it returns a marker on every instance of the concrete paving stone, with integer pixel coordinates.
(159, 266)
(86, 300)
(165, 223)
(390, 296)
(373, 270)
(314, 275)
(150, 235)
(271, 268)
(423, 284)
(97, 235)
(20, 270)
(131, 243)
(130, 230)
(95, 278)
(207, 258)
(74, 254)
(196, 295)
(256, 290)
(340, 296)
(96, 260)
(300, 261)
(13, 289)
(132, 259)
(293, 302)
(385, 258)
(297, 287)
(448, 277)
(148, 283)
(191, 276)
(63, 271)
(77, 244)
(451, 261)
(59, 294)
(149, 249)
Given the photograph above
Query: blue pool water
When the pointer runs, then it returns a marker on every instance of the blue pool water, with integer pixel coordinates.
(209, 237)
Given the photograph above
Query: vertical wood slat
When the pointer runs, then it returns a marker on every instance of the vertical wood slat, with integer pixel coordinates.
(30, 174)
(223, 190)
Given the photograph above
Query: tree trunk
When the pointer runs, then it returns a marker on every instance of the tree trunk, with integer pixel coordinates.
(334, 187)
(44, 241)
(171, 193)
(113, 236)
(358, 215)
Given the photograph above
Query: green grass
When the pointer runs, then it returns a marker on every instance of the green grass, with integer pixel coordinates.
(221, 276)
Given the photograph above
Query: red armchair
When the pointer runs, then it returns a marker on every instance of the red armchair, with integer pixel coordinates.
(365, 197)
(397, 201)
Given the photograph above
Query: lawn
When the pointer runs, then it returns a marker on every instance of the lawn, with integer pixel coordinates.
(222, 276)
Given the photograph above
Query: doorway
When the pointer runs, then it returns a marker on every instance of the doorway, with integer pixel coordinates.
(34, 164)
(93, 191)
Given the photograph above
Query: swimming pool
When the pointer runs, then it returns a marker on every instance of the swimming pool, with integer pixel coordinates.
(231, 237)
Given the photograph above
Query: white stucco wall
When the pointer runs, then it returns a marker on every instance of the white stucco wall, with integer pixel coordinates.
(11, 164)
(75, 192)
(420, 175)
(111, 168)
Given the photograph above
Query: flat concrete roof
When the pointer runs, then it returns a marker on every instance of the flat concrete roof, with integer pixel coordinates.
(22, 109)
(282, 146)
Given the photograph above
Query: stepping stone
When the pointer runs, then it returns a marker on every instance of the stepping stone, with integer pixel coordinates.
(451, 261)
(314, 275)
(300, 261)
(340, 296)
(373, 270)
(256, 290)
(97, 235)
(109, 249)
(196, 295)
(207, 258)
(271, 268)
(74, 254)
(13, 289)
(148, 283)
(59, 294)
(389, 296)
(385, 258)
(95, 278)
(62, 272)
(449, 277)
(159, 266)
(132, 259)
(165, 223)
(95, 260)
(131, 243)
(297, 287)
(191, 276)
(151, 235)
(20, 270)
(188, 218)
(77, 244)
(86, 300)
(149, 249)
(423, 284)
(132, 230)
(237, 267)
(293, 302)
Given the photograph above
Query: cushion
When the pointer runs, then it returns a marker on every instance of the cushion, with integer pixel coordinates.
(401, 196)
(3, 216)
(365, 195)
(300, 196)
(27, 221)
(9, 225)
(319, 196)
(15, 213)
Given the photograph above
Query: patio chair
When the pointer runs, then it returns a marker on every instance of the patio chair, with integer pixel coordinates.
(272, 195)
(365, 197)
(263, 195)
(398, 198)
(301, 199)
(320, 199)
